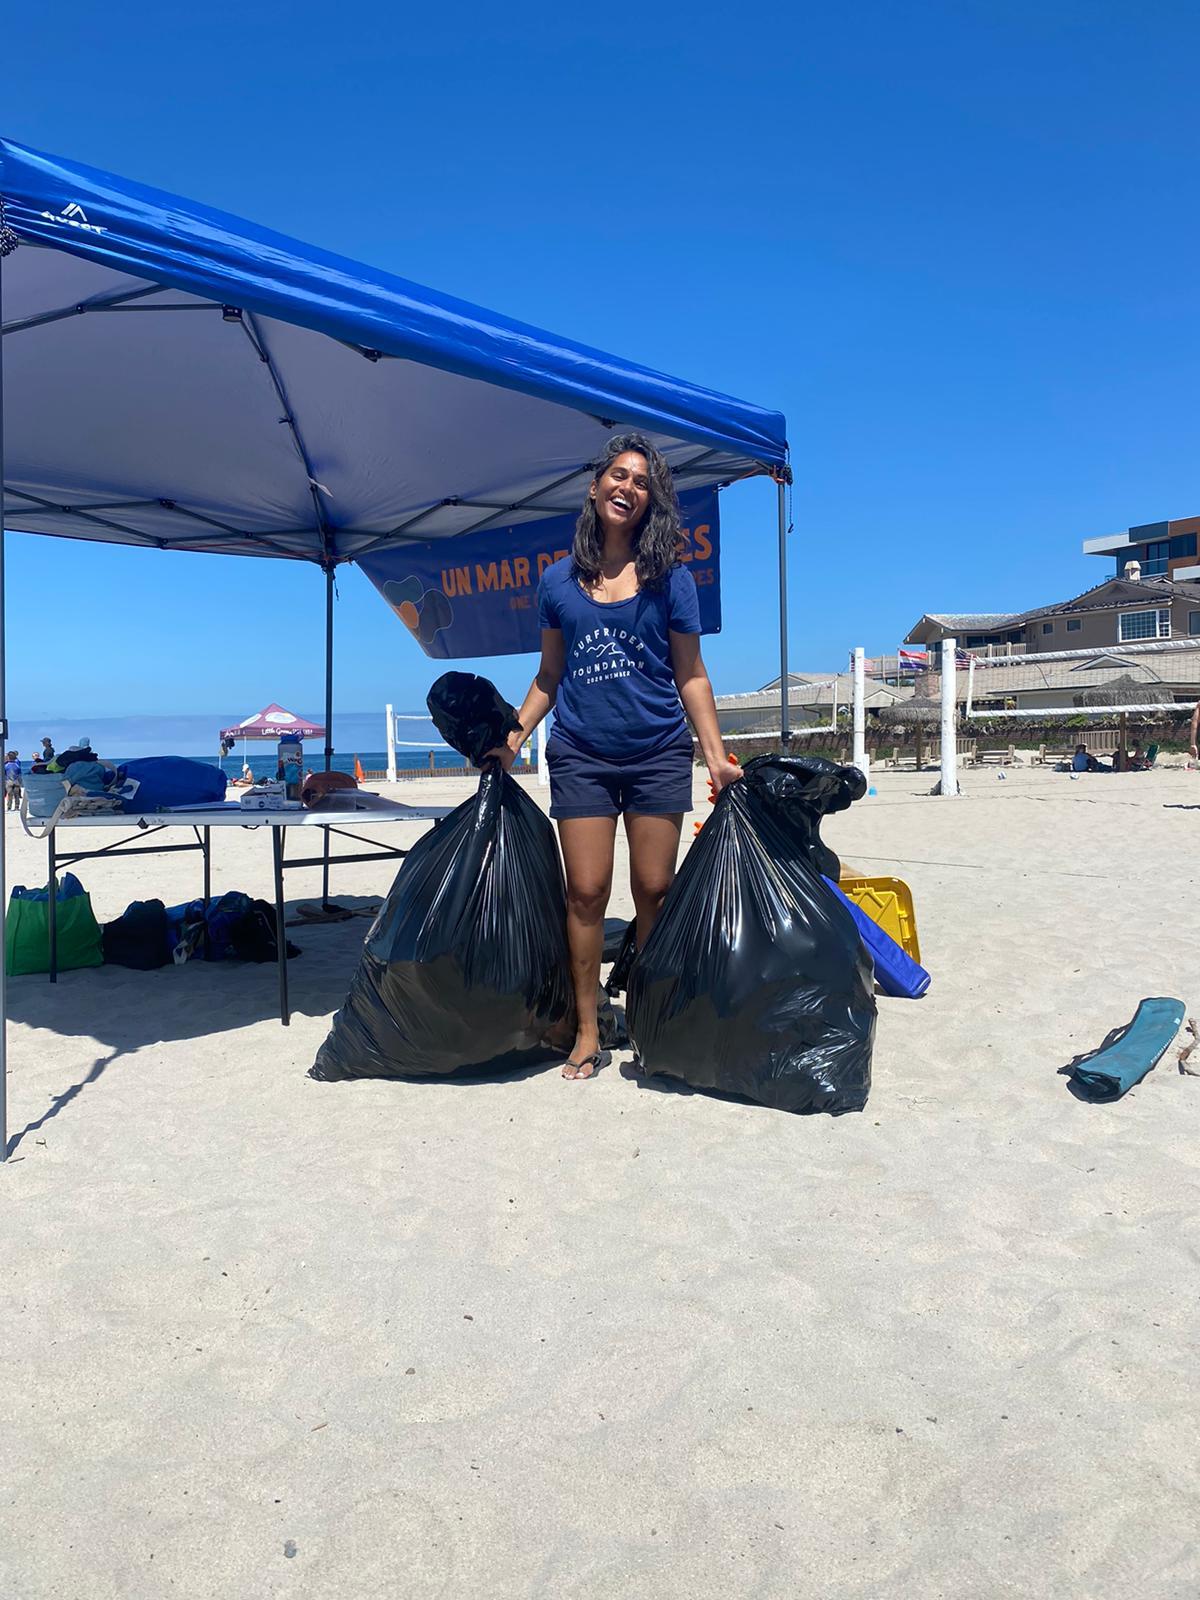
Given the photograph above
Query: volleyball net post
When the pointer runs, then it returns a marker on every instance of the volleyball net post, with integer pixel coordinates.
(859, 757)
(948, 788)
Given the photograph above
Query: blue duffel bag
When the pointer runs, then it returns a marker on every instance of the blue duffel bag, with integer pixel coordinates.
(170, 781)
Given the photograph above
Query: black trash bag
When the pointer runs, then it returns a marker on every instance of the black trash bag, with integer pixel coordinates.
(805, 789)
(471, 714)
(754, 980)
(466, 964)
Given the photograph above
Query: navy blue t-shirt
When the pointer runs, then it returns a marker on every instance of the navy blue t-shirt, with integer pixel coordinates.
(617, 697)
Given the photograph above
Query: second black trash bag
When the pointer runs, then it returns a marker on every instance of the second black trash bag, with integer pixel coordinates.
(471, 714)
(466, 964)
(754, 980)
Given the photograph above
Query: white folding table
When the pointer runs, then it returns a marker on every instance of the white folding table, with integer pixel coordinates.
(201, 820)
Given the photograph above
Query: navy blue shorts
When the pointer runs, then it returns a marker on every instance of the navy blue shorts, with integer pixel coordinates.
(657, 785)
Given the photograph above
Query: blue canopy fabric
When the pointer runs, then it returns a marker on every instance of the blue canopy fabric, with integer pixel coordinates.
(178, 378)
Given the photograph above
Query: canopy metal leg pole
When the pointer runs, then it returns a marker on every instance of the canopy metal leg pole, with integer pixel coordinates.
(328, 722)
(4, 736)
(784, 718)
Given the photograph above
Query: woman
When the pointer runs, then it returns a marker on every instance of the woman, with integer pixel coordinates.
(620, 664)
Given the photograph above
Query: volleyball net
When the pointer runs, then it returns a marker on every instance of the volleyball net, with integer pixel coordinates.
(1134, 679)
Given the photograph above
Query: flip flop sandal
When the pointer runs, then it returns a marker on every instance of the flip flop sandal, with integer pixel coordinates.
(601, 1058)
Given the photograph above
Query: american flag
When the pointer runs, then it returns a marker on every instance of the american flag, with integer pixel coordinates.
(930, 661)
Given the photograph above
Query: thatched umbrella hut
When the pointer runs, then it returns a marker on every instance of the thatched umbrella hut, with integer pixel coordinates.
(1123, 691)
(918, 714)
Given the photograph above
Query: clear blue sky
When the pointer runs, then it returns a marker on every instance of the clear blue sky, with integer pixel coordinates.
(954, 241)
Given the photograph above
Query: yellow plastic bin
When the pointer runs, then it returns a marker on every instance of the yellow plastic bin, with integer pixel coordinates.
(888, 902)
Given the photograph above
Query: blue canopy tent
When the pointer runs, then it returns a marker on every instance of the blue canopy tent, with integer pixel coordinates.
(174, 377)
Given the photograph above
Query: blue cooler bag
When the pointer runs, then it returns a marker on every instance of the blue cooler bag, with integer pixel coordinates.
(170, 781)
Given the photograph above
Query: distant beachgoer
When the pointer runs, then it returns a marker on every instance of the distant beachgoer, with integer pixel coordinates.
(624, 612)
(1081, 761)
(47, 754)
(12, 781)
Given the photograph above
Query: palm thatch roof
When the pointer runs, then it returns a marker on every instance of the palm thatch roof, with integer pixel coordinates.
(1125, 690)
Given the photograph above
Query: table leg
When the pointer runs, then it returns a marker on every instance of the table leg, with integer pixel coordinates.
(52, 908)
(325, 871)
(207, 867)
(277, 842)
(202, 840)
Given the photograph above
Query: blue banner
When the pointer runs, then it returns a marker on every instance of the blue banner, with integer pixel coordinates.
(477, 595)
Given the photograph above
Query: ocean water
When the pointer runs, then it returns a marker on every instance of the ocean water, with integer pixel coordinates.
(261, 761)
(127, 738)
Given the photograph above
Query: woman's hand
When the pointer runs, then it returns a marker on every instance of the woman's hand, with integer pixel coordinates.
(504, 754)
(722, 775)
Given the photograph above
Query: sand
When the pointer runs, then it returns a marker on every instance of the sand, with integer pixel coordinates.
(268, 1337)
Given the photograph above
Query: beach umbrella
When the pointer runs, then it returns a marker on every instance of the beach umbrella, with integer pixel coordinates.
(1123, 691)
(919, 713)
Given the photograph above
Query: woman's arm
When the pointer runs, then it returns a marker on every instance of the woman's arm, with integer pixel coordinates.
(543, 692)
(695, 691)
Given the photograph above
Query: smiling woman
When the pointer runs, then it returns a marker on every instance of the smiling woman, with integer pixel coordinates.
(620, 663)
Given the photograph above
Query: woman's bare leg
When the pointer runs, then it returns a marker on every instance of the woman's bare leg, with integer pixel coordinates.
(653, 849)
(587, 846)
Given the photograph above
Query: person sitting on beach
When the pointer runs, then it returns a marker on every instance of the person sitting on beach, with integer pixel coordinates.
(12, 781)
(1081, 761)
(1137, 761)
(620, 626)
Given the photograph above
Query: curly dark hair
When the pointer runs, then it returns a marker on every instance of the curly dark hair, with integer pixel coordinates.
(657, 542)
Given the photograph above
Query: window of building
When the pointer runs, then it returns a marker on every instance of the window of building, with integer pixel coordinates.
(1194, 622)
(1047, 627)
(1074, 625)
(1155, 563)
(1133, 625)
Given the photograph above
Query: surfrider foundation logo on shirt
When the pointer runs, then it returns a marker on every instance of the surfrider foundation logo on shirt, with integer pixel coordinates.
(73, 216)
(606, 654)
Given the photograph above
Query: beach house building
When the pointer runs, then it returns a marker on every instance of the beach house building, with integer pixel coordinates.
(1152, 598)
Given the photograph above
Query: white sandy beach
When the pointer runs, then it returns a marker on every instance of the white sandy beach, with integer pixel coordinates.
(267, 1337)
